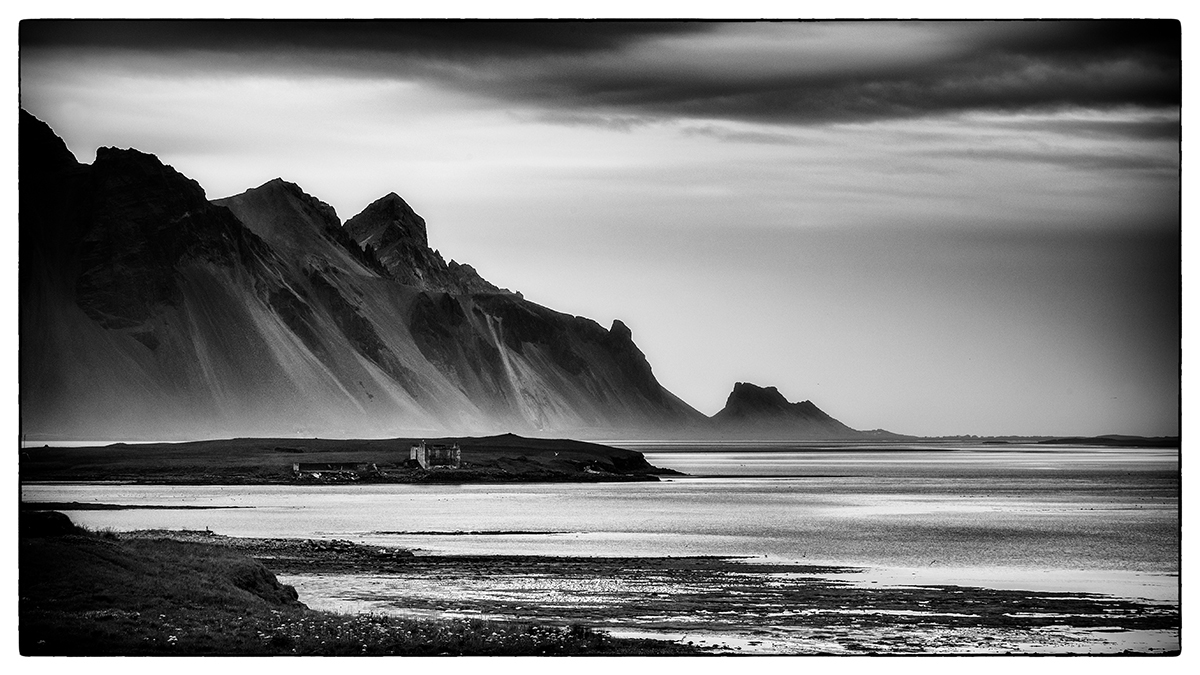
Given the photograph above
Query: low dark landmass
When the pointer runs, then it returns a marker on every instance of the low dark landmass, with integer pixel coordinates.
(83, 593)
(1116, 441)
(248, 461)
(1109, 440)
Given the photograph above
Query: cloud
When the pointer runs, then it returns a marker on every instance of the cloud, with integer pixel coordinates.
(790, 73)
(1081, 161)
(462, 40)
(742, 136)
(590, 119)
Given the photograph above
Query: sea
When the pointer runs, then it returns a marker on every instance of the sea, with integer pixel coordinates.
(1099, 523)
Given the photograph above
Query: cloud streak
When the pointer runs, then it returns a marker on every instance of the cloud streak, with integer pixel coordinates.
(791, 73)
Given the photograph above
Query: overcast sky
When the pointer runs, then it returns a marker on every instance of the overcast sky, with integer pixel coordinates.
(934, 228)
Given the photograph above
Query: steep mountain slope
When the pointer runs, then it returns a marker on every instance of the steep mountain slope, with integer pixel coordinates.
(148, 312)
(757, 412)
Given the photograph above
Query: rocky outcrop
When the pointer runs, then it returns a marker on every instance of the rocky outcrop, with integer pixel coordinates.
(392, 233)
(765, 412)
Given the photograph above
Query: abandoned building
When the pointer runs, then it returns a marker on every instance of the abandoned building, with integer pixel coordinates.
(436, 456)
(334, 471)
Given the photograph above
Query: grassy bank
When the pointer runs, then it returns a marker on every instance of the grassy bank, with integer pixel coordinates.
(85, 593)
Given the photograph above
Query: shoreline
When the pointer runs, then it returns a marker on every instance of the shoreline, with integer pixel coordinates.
(713, 601)
(85, 593)
(696, 604)
(1142, 586)
(82, 506)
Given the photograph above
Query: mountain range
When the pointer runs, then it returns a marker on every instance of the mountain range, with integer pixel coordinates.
(148, 311)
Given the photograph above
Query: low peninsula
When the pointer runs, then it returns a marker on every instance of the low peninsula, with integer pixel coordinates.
(285, 461)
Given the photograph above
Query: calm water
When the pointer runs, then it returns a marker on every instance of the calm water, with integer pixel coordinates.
(1090, 519)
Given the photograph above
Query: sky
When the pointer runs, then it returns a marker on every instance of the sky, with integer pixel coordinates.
(935, 228)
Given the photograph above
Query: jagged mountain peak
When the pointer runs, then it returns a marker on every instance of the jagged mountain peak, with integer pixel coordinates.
(388, 221)
(747, 393)
(388, 230)
(620, 330)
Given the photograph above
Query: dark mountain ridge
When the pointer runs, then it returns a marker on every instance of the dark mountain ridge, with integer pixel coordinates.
(149, 312)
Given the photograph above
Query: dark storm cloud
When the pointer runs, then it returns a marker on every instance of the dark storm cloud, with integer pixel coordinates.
(1000, 67)
(1157, 41)
(435, 39)
(763, 72)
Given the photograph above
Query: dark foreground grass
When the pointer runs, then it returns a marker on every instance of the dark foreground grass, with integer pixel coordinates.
(85, 593)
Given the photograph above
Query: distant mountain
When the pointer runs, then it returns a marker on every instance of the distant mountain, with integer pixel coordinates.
(148, 312)
(760, 412)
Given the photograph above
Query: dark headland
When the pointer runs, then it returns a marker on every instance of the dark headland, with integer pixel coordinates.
(493, 459)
